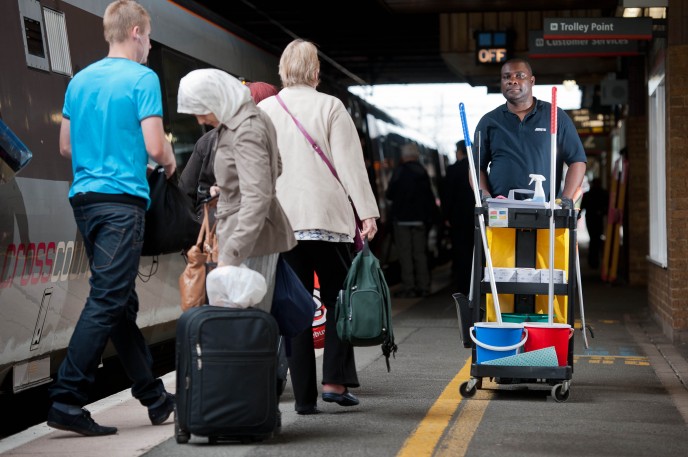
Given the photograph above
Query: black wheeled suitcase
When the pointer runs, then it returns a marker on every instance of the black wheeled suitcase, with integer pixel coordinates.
(226, 362)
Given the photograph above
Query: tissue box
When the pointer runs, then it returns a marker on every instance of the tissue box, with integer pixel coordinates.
(501, 274)
(527, 275)
(558, 276)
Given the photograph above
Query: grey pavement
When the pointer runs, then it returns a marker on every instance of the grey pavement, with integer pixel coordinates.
(628, 398)
(628, 393)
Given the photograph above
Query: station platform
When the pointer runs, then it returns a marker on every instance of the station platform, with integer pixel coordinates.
(629, 397)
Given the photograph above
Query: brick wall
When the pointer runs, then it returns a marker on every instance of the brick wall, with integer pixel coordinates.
(670, 309)
(638, 228)
(658, 298)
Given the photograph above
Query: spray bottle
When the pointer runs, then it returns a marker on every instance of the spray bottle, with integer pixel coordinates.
(539, 195)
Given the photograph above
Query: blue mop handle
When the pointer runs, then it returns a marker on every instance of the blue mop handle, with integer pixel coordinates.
(464, 124)
(481, 221)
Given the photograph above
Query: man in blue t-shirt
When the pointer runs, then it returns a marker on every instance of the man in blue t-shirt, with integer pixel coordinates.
(111, 124)
(514, 140)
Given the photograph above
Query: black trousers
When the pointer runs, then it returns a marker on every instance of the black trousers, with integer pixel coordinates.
(462, 257)
(330, 261)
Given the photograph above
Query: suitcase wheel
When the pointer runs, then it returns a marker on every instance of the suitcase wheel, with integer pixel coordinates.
(181, 436)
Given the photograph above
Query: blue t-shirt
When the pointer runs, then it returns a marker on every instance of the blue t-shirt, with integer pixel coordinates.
(105, 104)
(514, 149)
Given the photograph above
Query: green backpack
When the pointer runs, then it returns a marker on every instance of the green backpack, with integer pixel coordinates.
(364, 306)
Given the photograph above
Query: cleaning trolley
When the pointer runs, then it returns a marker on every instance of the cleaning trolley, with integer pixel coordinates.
(519, 318)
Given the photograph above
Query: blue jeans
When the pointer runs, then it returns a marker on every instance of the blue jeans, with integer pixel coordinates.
(113, 238)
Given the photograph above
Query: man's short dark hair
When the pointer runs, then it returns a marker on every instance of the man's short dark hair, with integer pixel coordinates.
(520, 60)
(461, 146)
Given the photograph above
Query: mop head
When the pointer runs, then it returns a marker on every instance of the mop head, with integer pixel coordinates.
(546, 357)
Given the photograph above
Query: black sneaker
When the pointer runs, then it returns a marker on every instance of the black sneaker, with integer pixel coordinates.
(78, 423)
(159, 414)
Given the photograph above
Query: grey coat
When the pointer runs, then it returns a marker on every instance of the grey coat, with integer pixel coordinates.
(250, 219)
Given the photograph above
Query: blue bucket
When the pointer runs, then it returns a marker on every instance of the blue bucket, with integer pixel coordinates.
(494, 340)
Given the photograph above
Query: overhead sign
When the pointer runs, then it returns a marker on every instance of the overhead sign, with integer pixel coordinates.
(492, 47)
(614, 28)
(539, 47)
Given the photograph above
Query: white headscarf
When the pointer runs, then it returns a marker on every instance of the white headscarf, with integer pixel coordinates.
(211, 91)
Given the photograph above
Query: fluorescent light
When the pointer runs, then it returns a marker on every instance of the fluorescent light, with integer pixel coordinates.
(632, 12)
(570, 84)
(657, 13)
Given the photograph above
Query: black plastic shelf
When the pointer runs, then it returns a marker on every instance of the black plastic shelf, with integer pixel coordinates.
(521, 372)
(525, 288)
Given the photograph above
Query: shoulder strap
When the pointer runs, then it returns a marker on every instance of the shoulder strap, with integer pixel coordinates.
(310, 139)
(319, 151)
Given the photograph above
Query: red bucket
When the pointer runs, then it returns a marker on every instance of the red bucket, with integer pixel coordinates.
(542, 335)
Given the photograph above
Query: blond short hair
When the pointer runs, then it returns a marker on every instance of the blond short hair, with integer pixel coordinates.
(120, 17)
(299, 64)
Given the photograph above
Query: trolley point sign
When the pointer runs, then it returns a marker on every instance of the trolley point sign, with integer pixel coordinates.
(597, 28)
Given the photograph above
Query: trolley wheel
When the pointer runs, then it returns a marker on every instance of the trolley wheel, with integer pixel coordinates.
(560, 393)
(467, 389)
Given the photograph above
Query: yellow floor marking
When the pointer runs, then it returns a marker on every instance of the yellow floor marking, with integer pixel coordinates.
(456, 441)
(611, 359)
(424, 439)
(642, 363)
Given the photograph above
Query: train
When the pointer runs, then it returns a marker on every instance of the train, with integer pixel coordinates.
(44, 271)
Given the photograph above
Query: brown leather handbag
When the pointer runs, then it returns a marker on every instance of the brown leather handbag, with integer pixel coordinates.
(201, 258)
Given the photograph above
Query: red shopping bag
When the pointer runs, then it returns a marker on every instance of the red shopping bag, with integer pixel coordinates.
(319, 318)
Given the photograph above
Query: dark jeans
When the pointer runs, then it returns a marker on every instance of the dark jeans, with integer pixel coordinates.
(113, 238)
(331, 262)
(412, 245)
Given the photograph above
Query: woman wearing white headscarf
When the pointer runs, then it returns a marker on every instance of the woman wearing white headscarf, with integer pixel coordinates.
(252, 228)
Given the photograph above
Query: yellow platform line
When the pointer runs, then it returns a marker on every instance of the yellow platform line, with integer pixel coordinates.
(456, 440)
(611, 359)
(627, 357)
(423, 441)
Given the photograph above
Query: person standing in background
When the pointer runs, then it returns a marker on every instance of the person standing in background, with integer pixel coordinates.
(112, 123)
(320, 213)
(413, 213)
(595, 203)
(260, 90)
(514, 140)
(458, 208)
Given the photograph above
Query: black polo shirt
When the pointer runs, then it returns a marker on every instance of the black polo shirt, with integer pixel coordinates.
(513, 149)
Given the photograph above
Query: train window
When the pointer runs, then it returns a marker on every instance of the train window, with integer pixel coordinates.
(14, 154)
(171, 66)
(58, 45)
(34, 36)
